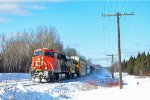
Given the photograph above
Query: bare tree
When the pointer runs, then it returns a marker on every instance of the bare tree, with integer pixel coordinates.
(18, 50)
(70, 51)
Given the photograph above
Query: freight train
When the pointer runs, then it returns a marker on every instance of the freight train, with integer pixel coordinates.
(49, 65)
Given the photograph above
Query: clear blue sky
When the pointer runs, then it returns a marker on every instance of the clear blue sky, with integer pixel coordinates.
(80, 24)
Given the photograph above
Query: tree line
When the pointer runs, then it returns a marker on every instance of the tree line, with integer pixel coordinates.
(139, 65)
(17, 50)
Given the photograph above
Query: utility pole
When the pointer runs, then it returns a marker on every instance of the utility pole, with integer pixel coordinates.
(112, 63)
(119, 47)
(112, 69)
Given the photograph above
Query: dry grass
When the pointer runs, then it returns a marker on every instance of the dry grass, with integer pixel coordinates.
(90, 85)
(111, 84)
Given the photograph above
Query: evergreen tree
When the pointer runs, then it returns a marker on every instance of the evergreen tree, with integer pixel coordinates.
(124, 65)
(147, 67)
(139, 65)
(130, 65)
(136, 66)
(143, 64)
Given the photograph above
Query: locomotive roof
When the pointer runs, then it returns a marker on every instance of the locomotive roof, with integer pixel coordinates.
(45, 50)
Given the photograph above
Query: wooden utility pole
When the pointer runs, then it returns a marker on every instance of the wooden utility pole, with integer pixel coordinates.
(119, 47)
(112, 69)
(112, 64)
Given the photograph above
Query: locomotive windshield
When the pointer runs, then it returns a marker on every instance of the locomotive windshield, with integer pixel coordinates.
(37, 53)
(49, 54)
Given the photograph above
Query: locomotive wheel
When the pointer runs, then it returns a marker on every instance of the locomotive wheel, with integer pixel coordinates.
(57, 76)
(40, 77)
(52, 77)
(78, 75)
(67, 74)
(72, 75)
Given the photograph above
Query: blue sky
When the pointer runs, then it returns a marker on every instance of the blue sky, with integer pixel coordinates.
(80, 24)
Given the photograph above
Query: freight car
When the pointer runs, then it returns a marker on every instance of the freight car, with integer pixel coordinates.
(49, 65)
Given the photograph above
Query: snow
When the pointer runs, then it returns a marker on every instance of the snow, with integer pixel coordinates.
(14, 76)
(88, 87)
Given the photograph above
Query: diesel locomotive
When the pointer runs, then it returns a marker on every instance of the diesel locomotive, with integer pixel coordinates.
(49, 65)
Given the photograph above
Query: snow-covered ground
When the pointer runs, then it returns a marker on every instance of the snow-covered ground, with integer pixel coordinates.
(14, 76)
(90, 87)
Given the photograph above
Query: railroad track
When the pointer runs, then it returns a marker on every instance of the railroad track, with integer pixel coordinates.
(10, 84)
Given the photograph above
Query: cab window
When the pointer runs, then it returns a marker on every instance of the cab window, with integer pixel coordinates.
(49, 54)
(38, 53)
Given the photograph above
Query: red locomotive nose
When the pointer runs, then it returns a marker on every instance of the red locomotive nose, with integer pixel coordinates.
(44, 59)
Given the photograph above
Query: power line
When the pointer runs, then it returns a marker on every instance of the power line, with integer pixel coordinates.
(119, 47)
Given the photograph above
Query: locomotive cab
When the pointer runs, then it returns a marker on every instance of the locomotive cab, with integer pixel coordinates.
(43, 59)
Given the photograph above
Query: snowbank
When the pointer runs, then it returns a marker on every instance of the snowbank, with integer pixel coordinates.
(89, 87)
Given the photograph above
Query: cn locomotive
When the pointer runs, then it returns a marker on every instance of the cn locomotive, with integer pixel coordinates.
(49, 65)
